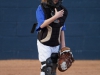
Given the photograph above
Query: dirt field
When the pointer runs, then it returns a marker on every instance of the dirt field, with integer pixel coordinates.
(32, 67)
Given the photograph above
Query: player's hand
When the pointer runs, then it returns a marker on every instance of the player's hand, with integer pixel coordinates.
(59, 14)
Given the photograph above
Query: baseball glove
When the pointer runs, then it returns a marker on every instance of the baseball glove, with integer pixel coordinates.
(65, 59)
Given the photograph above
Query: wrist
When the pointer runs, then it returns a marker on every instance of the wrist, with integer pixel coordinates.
(55, 17)
(63, 46)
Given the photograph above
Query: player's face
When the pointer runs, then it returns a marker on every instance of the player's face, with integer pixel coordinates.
(55, 1)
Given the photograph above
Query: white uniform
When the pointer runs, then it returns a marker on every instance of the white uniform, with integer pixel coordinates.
(45, 52)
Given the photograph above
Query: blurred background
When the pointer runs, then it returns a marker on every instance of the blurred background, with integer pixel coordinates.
(82, 29)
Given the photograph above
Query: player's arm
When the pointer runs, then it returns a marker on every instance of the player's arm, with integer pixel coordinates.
(50, 20)
(62, 39)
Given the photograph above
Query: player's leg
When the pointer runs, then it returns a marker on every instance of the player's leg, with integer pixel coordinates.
(48, 58)
(54, 57)
(44, 53)
(51, 65)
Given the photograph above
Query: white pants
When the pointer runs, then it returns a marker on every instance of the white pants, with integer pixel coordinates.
(45, 52)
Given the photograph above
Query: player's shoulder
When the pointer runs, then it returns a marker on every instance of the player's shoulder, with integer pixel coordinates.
(63, 7)
(39, 7)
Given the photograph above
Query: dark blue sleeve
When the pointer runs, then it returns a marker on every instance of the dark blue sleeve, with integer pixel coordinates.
(40, 17)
